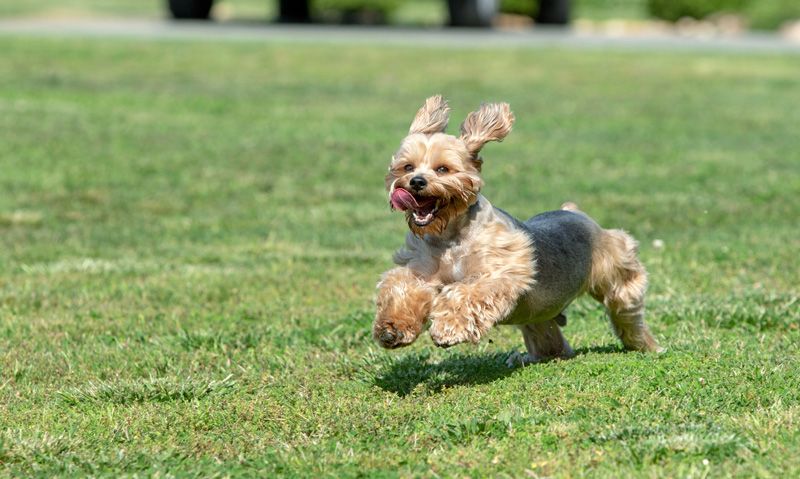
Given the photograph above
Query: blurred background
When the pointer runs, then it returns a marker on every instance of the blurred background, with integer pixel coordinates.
(193, 219)
(685, 16)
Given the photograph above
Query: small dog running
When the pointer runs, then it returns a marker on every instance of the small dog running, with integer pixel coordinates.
(467, 266)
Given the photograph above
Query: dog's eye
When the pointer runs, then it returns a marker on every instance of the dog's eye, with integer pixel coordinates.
(408, 168)
(442, 170)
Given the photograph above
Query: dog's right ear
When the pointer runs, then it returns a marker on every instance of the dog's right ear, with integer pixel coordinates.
(432, 117)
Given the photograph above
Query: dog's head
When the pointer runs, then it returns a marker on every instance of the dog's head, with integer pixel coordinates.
(434, 177)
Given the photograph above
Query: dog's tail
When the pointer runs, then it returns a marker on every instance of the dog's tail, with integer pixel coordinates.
(570, 206)
(573, 207)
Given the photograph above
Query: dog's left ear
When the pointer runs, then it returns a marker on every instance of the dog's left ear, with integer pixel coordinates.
(490, 122)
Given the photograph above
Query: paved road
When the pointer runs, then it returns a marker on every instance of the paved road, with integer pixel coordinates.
(449, 38)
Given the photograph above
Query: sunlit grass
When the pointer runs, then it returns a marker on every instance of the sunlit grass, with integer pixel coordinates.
(190, 234)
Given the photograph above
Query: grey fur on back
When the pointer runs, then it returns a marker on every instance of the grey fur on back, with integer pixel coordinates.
(562, 242)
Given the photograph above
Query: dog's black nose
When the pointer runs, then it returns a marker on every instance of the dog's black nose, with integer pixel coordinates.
(418, 183)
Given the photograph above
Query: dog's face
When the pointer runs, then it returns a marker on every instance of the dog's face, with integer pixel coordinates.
(440, 176)
(434, 177)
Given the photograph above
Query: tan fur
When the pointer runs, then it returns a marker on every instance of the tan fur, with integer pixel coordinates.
(457, 189)
(471, 267)
(478, 272)
(432, 117)
(482, 282)
(491, 122)
(404, 302)
(619, 281)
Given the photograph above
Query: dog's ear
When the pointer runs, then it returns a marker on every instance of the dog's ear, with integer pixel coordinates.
(432, 117)
(490, 122)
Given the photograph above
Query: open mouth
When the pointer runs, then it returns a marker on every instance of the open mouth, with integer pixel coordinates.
(424, 214)
(423, 208)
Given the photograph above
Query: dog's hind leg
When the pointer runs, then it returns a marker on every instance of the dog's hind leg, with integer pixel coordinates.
(619, 281)
(543, 341)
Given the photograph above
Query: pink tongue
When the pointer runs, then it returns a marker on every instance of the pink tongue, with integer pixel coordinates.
(402, 200)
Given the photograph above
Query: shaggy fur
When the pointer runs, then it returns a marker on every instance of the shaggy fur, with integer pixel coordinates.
(467, 266)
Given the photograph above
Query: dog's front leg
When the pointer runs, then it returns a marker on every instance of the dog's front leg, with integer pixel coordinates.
(404, 303)
(464, 311)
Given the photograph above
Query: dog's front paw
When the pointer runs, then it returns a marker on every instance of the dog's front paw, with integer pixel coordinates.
(394, 333)
(452, 320)
(446, 332)
(403, 304)
(388, 336)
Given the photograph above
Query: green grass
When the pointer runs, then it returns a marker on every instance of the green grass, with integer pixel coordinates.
(190, 235)
(610, 9)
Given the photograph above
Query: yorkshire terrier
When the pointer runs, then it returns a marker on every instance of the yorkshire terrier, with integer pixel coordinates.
(467, 266)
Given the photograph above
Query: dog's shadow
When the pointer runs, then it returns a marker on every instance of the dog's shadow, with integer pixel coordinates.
(408, 373)
(604, 349)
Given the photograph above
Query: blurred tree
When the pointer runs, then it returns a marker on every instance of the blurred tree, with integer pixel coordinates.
(292, 11)
(553, 12)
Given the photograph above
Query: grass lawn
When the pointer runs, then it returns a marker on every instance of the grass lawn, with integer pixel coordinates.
(190, 235)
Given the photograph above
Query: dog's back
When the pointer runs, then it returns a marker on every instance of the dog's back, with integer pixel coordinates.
(562, 243)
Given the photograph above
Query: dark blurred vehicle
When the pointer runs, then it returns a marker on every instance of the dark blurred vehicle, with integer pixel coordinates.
(463, 13)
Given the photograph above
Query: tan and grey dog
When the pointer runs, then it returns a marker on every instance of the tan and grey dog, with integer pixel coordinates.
(467, 266)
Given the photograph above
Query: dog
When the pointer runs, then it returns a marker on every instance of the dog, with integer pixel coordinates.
(467, 266)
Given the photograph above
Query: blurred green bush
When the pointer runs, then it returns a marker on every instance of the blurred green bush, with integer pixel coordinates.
(356, 4)
(593, 9)
(760, 14)
(763, 14)
(381, 8)
(673, 10)
(771, 14)
(519, 7)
